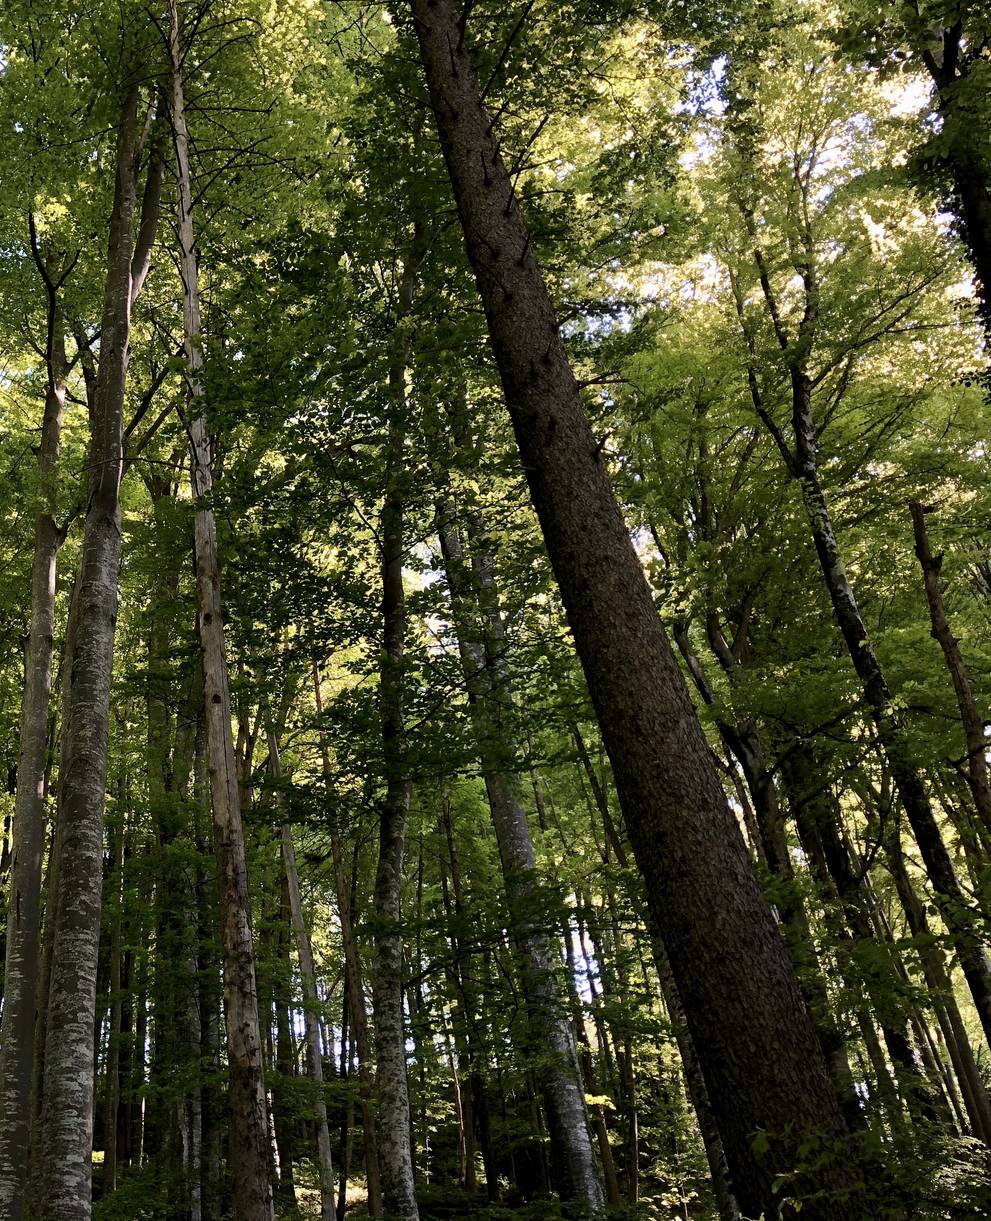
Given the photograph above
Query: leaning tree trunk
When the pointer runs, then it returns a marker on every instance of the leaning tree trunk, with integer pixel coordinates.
(249, 1162)
(66, 1134)
(559, 1073)
(970, 715)
(763, 1066)
(953, 906)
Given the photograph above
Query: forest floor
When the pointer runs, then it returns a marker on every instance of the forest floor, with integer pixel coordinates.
(451, 1204)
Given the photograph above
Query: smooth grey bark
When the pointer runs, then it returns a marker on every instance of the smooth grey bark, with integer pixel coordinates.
(763, 1065)
(252, 1188)
(21, 971)
(67, 1110)
(394, 1143)
(311, 1003)
(559, 1073)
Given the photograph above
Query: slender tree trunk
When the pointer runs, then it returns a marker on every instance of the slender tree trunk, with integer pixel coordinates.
(112, 1097)
(395, 1148)
(24, 904)
(597, 1111)
(67, 1109)
(282, 1059)
(559, 1072)
(970, 716)
(816, 815)
(311, 1005)
(953, 906)
(743, 740)
(249, 1125)
(213, 1110)
(940, 986)
(737, 985)
(355, 991)
(466, 1030)
(347, 1119)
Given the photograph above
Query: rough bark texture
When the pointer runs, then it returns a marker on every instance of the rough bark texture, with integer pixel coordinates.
(67, 1110)
(762, 1063)
(559, 1073)
(742, 739)
(249, 1125)
(963, 150)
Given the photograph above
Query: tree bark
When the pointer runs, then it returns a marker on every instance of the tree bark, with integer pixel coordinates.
(559, 1072)
(961, 151)
(355, 990)
(953, 906)
(249, 1123)
(755, 1039)
(311, 1004)
(67, 1110)
(970, 716)
(21, 970)
(395, 1148)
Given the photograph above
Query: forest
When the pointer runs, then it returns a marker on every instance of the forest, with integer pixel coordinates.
(495, 610)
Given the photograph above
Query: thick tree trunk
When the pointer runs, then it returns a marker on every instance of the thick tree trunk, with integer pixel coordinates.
(249, 1124)
(559, 1072)
(67, 1109)
(755, 1039)
(961, 151)
(311, 1004)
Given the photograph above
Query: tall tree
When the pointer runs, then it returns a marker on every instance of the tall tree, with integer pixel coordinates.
(67, 1114)
(758, 1051)
(481, 646)
(249, 1115)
